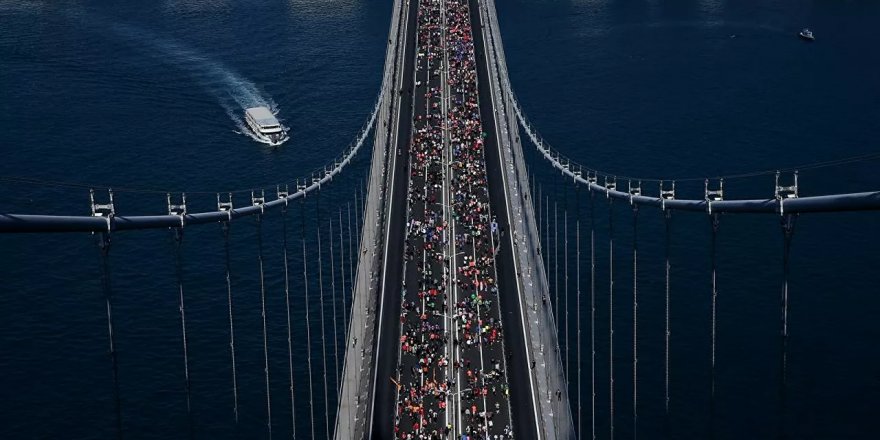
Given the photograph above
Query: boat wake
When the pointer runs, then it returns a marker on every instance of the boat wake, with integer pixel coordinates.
(233, 92)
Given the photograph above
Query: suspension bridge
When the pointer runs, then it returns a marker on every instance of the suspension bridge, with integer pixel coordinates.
(443, 287)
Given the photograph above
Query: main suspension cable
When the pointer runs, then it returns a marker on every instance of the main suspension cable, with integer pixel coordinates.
(289, 331)
(539, 141)
(225, 227)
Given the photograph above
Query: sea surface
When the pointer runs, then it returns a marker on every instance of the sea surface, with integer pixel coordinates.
(147, 98)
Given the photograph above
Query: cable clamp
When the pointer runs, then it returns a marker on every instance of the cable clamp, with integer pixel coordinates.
(634, 191)
(610, 185)
(666, 193)
(784, 192)
(259, 200)
(283, 193)
(591, 177)
(713, 195)
(178, 209)
(105, 210)
(225, 205)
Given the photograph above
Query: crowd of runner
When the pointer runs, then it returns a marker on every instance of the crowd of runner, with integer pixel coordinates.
(423, 380)
(478, 331)
(451, 378)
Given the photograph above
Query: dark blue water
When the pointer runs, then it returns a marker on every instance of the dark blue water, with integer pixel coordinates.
(146, 95)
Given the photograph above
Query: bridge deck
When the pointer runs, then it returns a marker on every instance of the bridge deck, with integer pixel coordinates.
(447, 336)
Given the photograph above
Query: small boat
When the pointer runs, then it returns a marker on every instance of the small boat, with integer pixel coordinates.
(807, 34)
(265, 126)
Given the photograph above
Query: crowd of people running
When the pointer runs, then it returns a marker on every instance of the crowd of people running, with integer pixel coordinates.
(451, 378)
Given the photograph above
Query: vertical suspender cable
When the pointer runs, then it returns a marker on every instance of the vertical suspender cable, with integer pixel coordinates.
(542, 229)
(556, 268)
(547, 234)
(225, 226)
(593, 312)
(178, 242)
(578, 305)
(363, 207)
(308, 323)
(259, 219)
(565, 277)
(667, 217)
(788, 221)
(567, 357)
(541, 225)
(635, 252)
(334, 321)
(342, 278)
(104, 246)
(350, 258)
(533, 193)
(321, 308)
(611, 316)
(715, 221)
(357, 222)
(289, 335)
(348, 325)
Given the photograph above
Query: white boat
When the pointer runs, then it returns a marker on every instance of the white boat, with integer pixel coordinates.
(807, 34)
(265, 126)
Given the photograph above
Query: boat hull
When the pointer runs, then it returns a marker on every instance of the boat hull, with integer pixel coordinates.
(274, 139)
